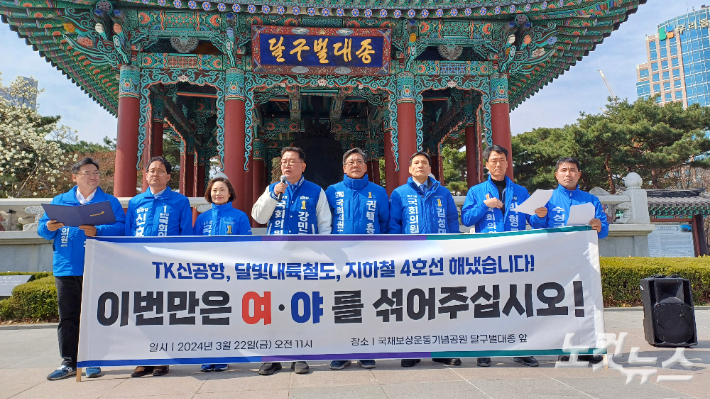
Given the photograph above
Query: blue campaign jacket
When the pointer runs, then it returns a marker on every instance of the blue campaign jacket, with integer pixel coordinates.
(167, 215)
(296, 213)
(222, 220)
(491, 220)
(415, 212)
(358, 206)
(559, 205)
(69, 241)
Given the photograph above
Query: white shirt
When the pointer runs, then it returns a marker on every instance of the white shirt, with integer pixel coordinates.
(159, 193)
(425, 184)
(81, 199)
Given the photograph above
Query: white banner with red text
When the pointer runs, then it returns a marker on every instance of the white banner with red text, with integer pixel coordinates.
(198, 300)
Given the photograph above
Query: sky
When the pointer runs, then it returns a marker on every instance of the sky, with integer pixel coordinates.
(581, 89)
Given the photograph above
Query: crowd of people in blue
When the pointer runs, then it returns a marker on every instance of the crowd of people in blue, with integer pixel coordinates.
(296, 206)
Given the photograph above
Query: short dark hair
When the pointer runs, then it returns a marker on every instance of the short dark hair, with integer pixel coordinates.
(300, 152)
(428, 158)
(487, 152)
(230, 188)
(568, 160)
(86, 161)
(354, 151)
(165, 162)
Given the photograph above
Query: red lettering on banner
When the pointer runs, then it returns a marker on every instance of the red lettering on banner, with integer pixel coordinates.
(262, 307)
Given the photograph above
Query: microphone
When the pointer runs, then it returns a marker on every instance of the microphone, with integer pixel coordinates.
(283, 180)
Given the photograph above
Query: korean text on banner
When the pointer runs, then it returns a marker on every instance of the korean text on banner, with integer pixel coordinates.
(195, 300)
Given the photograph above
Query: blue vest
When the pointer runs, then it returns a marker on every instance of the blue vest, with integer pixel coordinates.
(222, 220)
(491, 220)
(167, 215)
(413, 211)
(358, 206)
(68, 242)
(296, 213)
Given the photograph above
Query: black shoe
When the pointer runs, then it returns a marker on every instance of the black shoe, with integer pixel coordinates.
(527, 360)
(269, 368)
(300, 367)
(160, 370)
(483, 362)
(140, 371)
(449, 361)
(409, 362)
(593, 359)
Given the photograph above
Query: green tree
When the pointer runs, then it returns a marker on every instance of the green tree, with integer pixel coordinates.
(639, 137)
(454, 168)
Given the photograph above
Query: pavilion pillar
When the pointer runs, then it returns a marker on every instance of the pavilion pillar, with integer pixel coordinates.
(125, 178)
(187, 170)
(373, 170)
(234, 134)
(435, 166)
(391, 178)
(154, 141)
(471, 156)
(500, 116)
(156, 136)
(373, 161)
(259, 167)
(145, 160)
(406, 124)
(200, 175)
(249, 187)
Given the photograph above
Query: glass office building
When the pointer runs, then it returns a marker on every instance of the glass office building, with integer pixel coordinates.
(678, 66)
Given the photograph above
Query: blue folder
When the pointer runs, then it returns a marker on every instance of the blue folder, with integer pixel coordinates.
(74, 216)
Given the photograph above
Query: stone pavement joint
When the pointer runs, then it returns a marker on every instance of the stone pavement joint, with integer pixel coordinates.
(28, 355)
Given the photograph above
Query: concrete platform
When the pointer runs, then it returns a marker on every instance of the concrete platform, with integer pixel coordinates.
(28, 355)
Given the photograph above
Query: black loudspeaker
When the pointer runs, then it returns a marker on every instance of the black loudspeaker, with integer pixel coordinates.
(668, 311)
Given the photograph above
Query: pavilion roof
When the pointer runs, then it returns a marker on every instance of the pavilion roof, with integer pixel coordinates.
(581, 26)
(665, 203)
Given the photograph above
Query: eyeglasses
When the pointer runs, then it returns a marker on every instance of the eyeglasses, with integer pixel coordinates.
(353, 163)
(289, 162)
(92, 174)
(156, 172)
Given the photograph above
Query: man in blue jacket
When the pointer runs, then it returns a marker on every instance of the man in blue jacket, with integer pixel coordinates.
(295, 206)
(423, 206)
(568, 172)
(567, 193)
(490, 206)
(68, 243)
(358, 207)
(158, 211)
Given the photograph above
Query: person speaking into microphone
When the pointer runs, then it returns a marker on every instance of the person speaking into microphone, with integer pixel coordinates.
(292, 206)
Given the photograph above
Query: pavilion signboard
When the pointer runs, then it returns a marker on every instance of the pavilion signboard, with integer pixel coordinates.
(321, 51)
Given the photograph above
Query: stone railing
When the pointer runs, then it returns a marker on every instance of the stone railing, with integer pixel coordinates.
(28, 211)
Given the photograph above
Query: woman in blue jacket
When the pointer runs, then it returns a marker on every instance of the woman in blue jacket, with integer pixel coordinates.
(222, 219)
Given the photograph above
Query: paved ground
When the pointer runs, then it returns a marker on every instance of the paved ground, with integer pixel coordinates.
(27, 356)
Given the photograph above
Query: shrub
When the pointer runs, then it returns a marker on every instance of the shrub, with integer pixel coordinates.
(32, 301)
(621, 277)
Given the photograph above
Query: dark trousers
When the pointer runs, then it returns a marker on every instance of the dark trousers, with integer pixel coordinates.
(69, 300)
